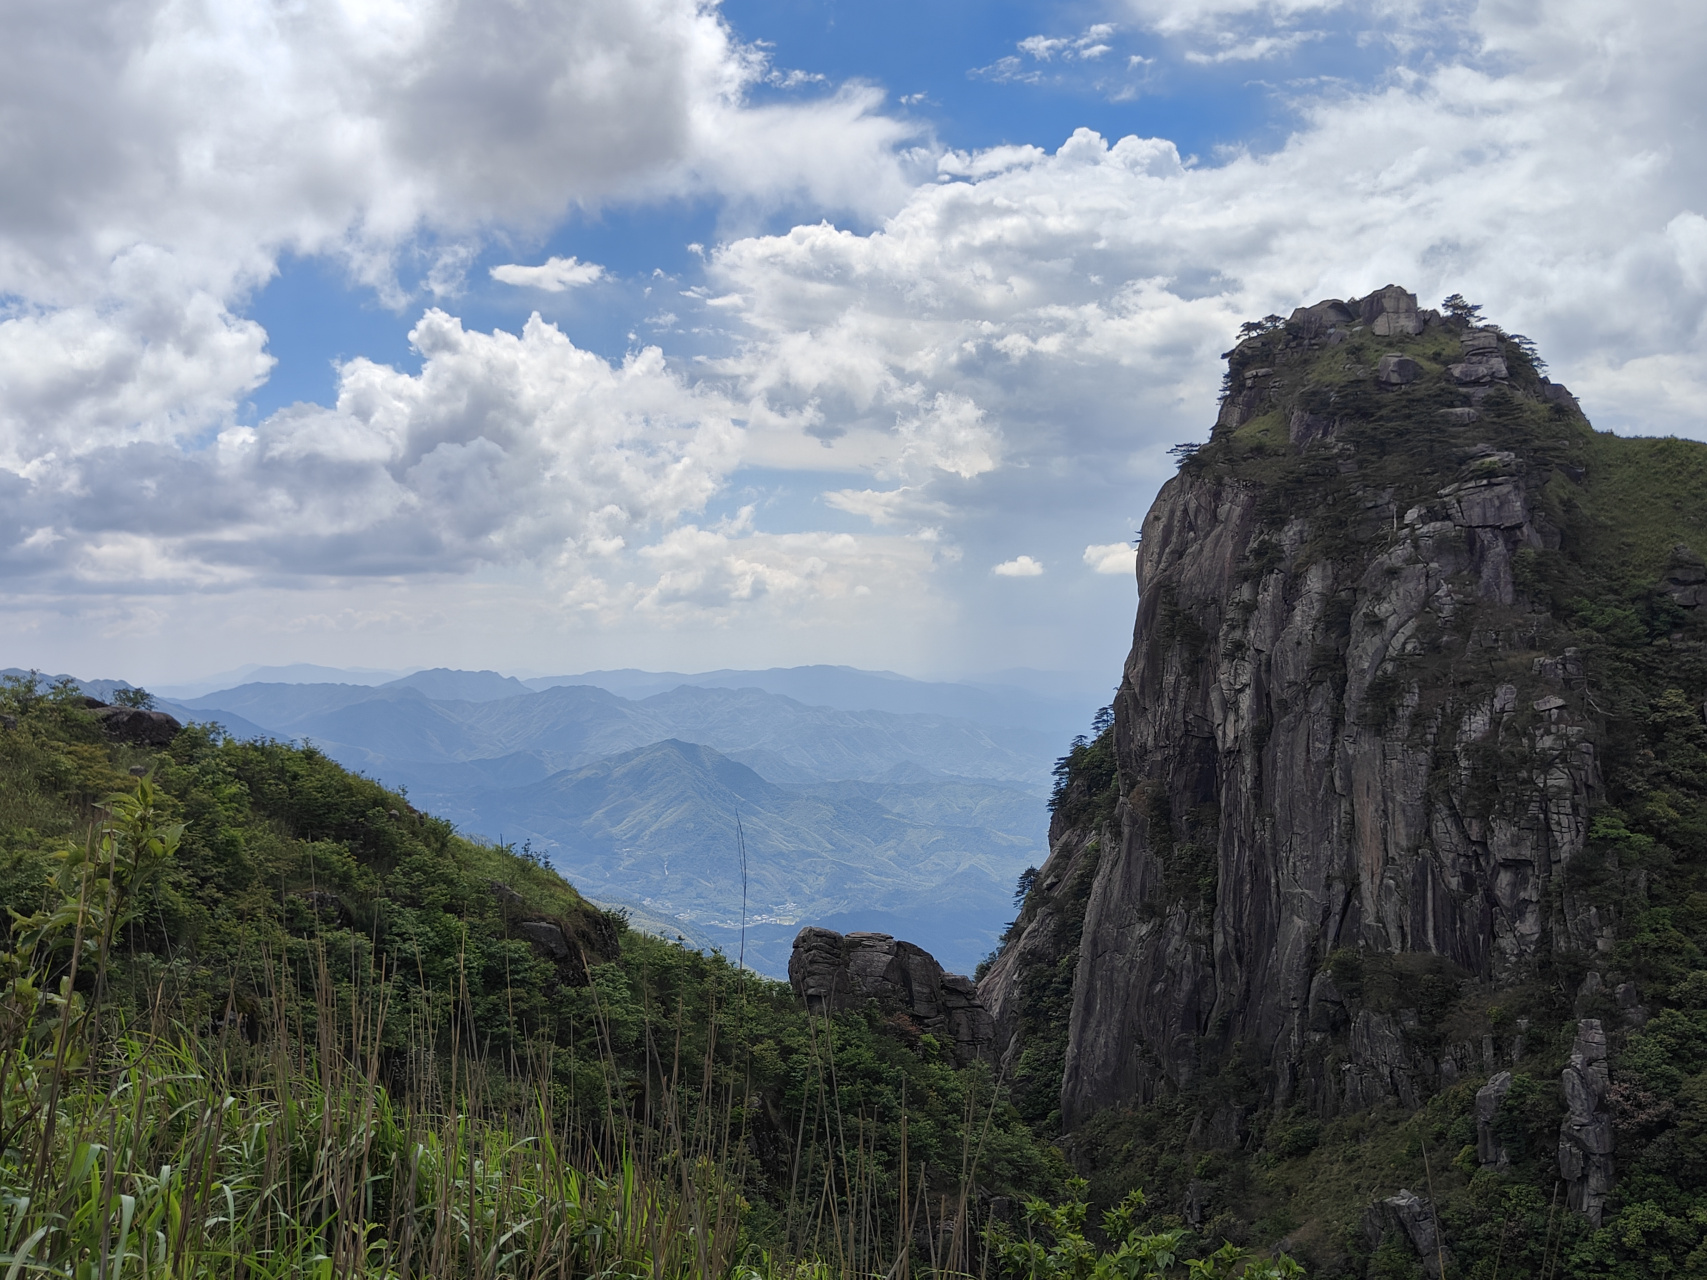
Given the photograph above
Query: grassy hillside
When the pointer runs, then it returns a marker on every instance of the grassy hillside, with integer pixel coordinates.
(269, 1009)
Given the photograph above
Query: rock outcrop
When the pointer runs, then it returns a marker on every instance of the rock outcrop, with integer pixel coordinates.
(1585, 1134)
(831, 972)
(1412, 1219)
(1490, 1151)
(1348, 752)
(139, 727)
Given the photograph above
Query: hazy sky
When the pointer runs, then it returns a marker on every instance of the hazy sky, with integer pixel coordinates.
(552, 334)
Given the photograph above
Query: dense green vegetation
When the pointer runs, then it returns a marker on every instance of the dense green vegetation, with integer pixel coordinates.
(260, 1017)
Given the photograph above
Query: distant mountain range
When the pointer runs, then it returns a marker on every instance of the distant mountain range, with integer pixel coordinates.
(867, 800)
(389, 729)
(657, 826)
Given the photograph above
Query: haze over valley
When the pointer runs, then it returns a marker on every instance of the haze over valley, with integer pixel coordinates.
(865, 800)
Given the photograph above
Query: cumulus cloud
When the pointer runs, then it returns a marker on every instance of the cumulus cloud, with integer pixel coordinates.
(1021, 335)
(504, 448)
(1092, 43)
(717, 574)
(554, 275)
(1178, 17)
(1081, 298)
(160, 157)
(1112, 557)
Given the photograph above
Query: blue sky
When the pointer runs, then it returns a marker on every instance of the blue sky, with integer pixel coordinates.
(869, 325)
(316, 316)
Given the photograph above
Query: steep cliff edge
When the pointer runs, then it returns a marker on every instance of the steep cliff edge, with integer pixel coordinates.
(1406, 757)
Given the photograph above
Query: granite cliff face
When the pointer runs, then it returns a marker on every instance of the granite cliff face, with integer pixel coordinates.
(1357, 747)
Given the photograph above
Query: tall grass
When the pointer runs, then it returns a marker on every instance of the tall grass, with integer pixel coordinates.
(290, 1142)
(290, 1136)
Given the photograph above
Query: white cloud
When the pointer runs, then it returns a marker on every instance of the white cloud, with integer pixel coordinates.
(1177, 17)
(1088, 46)
(1092, 43)
(887, 506)
(1081, 298)
(1019, 567)
(721, 574)
(1021, 335)
(1112, 557)
(554, 275)
(950, 435)
(505, 448)
(161, 157)
(1254, 48)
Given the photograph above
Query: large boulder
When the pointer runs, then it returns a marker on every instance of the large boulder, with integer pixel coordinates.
(1411, 1218)
(134, 725)
(1397, 371)
(1392, 311)
(1489, 1149)
(831, 972)
(1483, 361)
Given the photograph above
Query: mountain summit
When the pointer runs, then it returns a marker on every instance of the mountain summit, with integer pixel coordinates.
(1405, 769)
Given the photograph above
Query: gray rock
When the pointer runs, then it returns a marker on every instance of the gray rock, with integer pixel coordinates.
(547, 936)
(1322, 811)
(1482, 363)
(1463, 416)
(1489, 1149)
(1585, 1134)
(830, 972)
(511, 900)
(1391, 312)
(1307, 428)
(1685, 578)
(1325, 320)
(1475, 372)
(1411, 1218)
(135, 726)
(1630, 1006)
(1397, 371)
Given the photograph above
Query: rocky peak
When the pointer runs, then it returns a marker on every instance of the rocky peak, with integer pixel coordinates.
(1355, 749)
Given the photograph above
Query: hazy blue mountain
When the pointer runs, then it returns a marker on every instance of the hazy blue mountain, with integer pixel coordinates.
(657, 827)
(1062, 711)
(235, 726)
(102, 689)
(445, 685)
(293, 673)
(913, 822)
(388, 730)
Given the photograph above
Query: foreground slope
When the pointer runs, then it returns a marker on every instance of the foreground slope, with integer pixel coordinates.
(323, 1015)
(1406, 788)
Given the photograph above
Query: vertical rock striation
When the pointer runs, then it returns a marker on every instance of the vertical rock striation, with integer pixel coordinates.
(1585, 1134)
(1351, 742)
